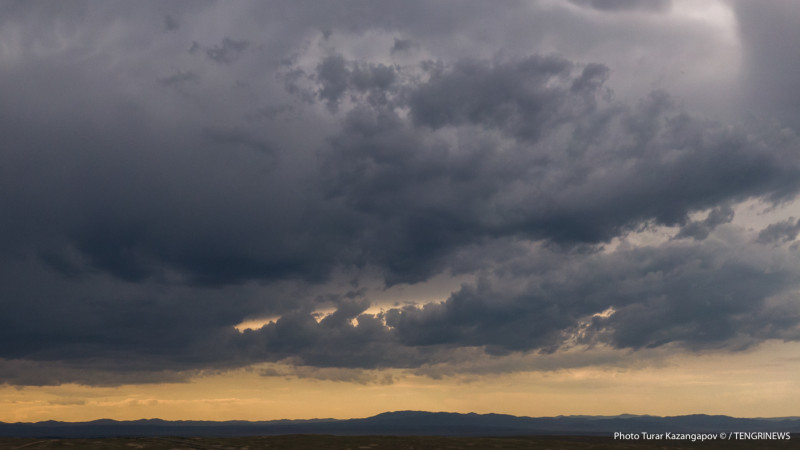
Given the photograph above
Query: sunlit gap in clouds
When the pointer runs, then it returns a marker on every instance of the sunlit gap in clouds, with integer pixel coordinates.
(319, 315)
(255, 324)
(435, 290)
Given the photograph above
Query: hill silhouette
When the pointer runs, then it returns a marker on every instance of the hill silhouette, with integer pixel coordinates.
(407, 423)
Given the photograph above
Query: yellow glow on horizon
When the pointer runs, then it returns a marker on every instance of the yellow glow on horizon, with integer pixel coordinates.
(734, 384)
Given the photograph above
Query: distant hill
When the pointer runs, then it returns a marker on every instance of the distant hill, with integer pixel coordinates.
(408, 423)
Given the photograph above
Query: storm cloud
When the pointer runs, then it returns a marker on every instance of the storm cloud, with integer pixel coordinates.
(163, 181)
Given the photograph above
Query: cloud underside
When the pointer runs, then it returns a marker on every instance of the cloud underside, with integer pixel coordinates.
(143, 226)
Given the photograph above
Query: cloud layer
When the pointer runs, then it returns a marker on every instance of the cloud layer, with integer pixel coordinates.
(162, 183)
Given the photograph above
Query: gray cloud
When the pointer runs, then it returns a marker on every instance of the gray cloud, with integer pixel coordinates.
(522, 97)
(403, 45)
(700, 229)
(336, 76)
(701, 296)
(779, 233)
(179, 79)
(538, 155)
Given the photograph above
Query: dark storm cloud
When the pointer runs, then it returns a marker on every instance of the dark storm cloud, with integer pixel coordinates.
(517, 97)
(33, 373)
(146, 214)
(779, 233)
(703, 298)
(539, 154)
(336, 76)
(333, 75)
(692, 296)
(699, 229)
(99, 331)
(333, 342)
(114, 187)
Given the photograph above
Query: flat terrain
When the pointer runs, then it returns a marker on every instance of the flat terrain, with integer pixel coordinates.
(323, 442)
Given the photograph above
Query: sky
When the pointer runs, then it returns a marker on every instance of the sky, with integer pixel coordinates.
(293, 209)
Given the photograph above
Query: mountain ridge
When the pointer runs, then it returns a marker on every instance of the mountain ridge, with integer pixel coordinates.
(407, 423)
